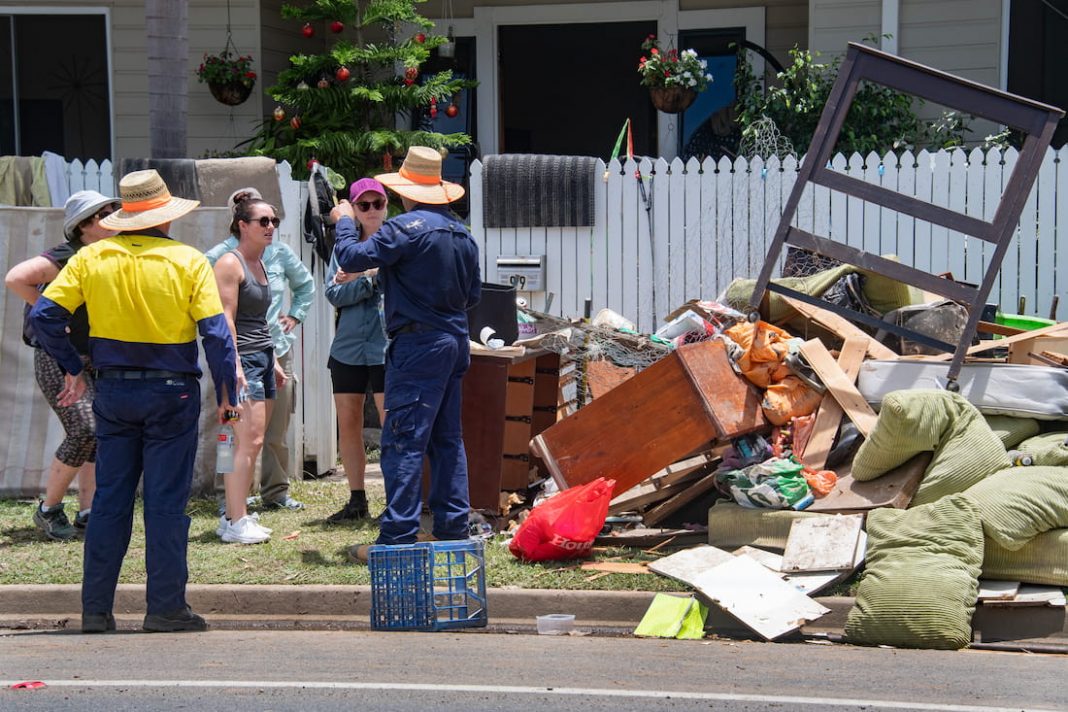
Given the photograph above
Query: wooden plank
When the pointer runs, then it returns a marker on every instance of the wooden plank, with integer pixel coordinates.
(1052, 330)
(662, 511)
(822, 543)
(1029, 595)
(757, 597)
(602, 376)
(616, 567)
(839, 385)
(830, 413)
(683, 469)
(642, 537)
(894, 489)
(1020, 352)
(648, 493)
(840, 326)
(728, 399)
(997, 590)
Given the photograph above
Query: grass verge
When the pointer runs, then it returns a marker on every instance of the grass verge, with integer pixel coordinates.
(304, 549)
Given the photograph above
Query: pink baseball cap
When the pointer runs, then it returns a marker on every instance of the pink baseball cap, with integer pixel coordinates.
(366, 184)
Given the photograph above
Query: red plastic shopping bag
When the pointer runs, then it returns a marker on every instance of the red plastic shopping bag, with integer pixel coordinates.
(564, 526)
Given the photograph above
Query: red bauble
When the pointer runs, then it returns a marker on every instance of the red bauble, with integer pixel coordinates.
(337, 26)
(311, 163)
(433, 113)
(420, 38)
(408, 82)
(279, 113)
(452, 110)
(307, 30)
(342, 74)
(411, 73)
(295, 122)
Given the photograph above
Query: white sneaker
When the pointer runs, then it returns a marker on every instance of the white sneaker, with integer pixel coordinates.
(255, 516)
(224, 524)
(245, 531)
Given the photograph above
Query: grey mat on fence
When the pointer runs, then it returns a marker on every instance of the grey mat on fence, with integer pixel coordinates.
(530, 190)
(180, 174)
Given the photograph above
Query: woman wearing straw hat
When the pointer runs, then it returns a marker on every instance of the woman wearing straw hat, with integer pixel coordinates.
(147, 296)
(428, 270)
(76, 455)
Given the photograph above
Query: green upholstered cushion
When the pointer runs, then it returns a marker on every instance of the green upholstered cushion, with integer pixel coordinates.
(1012, 431)
(1019, 503)
(1043, 560)
(885, 294)
(740, 291)
(922, 577)
(731, 526)
(925, 420)
(1046, 449)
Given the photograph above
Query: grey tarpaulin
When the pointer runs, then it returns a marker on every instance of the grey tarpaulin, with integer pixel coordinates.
(531, 190)
(180, 174)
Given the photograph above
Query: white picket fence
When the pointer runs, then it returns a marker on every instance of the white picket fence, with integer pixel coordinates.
(92, 176)
(712, 222)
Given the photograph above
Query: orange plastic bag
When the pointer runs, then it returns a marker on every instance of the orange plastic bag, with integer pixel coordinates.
(564, 527)
(765, 348)
(821, 482)
(789, 398)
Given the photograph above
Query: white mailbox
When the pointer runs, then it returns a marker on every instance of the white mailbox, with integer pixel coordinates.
(526, 272)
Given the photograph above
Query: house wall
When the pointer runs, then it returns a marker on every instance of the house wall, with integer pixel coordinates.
(209, 123)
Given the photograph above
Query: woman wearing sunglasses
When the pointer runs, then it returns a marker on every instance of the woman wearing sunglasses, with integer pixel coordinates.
(246, 296)
(76, 455)
(357, 353)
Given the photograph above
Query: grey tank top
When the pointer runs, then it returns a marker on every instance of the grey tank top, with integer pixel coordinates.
(253, 299)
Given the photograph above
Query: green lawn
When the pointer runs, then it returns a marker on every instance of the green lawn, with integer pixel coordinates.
(314, 555)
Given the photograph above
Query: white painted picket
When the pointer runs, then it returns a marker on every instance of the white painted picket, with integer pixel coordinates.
(710, 222)
(92, 176)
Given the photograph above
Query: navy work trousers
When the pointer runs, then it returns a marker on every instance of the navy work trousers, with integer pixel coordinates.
(424, 374)
(151, 426)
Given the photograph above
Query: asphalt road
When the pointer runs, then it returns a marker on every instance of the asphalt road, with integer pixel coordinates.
(272, 670)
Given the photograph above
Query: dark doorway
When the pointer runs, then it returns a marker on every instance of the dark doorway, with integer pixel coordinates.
(568, 89)
(1038, 55)
(708, 127)
(54, 79)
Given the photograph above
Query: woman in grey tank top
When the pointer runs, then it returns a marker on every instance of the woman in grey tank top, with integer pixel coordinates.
(246, 295)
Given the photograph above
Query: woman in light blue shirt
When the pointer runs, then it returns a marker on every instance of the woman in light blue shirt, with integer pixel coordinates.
(357, 354)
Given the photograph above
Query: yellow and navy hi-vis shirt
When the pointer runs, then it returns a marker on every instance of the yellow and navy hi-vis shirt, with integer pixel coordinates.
(147, 296)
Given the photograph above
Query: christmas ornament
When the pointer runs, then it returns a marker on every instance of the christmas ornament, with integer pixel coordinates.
(311, 163)
(308, 31)
(303, 86)
(324, 83)
(387, 161)
(444, 152)
(433, 109)
(295, 122)
(342, 74)
(408, 82)
(337, 26)
(411, 73)
(279, 113)
(452, 110)
(420, 38)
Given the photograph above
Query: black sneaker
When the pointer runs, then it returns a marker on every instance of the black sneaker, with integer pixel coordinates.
(351, 512)
(81, 522)
(54, 524)
(98, 623)
(174, 622)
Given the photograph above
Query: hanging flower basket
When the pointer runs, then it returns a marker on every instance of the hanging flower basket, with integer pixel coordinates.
(672, 100)
(231, 93)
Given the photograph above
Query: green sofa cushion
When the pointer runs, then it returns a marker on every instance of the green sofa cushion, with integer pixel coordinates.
(1012, 431)
(731, 526)
(922, 577)
(1046, 449)
(1019, 503)
(926, 420)
(1043, 560)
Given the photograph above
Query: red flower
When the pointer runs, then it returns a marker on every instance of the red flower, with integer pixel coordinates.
(250, 75)
(654, 51)
(640, 61)
(667, 73)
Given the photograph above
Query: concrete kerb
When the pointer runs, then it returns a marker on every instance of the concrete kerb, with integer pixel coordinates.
(321, 607)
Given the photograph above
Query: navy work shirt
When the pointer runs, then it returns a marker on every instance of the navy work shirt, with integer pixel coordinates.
(428, 267)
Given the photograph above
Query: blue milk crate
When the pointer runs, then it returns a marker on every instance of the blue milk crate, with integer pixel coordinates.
(435, 585)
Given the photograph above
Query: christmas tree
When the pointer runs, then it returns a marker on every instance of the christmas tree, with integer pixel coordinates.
(340, 107)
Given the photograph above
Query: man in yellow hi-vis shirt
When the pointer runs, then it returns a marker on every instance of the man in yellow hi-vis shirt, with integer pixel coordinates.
(147, 296)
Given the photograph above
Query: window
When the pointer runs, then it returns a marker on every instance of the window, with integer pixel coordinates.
(54, 85)
(708, 128)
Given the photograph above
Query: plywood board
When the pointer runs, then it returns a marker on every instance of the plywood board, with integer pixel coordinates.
(1020, 352)
(616, 567)
(643, 537)
(767, 559)
(649, 493)
(1060, 329)
(687, 565)
(1029, 595)
(757, 597)
(812, 583)
(687, 494)
(894, 489)
(602, 376)
(839, 385)
(822, 543)
(997, 590)
(840, 326)
(830, 413)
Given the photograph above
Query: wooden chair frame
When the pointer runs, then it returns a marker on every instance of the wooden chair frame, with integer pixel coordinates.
(1036, 120)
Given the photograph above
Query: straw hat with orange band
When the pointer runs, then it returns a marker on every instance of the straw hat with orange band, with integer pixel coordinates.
(146, 202)
(419, 178)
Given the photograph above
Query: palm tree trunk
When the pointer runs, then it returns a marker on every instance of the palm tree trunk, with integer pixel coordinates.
(167, 36)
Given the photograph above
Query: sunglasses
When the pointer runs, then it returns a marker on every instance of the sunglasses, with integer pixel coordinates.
(364, 205)
(264, 221)
(100, 215)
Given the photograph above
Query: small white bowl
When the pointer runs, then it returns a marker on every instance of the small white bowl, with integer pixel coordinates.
(555, 624)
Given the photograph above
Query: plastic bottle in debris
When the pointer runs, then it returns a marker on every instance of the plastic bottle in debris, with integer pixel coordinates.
(1020, 459)
(224, 446)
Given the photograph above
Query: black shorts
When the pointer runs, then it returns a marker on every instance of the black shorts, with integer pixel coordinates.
(355, 379)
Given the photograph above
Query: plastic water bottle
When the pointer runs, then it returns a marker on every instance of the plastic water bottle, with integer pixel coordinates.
(224, 448)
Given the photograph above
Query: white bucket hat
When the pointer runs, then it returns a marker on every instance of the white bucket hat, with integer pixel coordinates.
(146, 202)
(83, 204)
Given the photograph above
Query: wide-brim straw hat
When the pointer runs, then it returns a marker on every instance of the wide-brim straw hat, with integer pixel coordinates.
(83, 204)
(419, 178)
(146, 202)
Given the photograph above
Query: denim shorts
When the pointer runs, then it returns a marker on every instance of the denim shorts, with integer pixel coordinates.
(259, 372)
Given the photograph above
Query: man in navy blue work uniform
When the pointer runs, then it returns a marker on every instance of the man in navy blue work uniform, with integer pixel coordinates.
(428, 270)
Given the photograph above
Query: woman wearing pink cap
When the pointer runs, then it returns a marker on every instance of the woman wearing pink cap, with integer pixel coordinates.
(357, 355)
